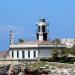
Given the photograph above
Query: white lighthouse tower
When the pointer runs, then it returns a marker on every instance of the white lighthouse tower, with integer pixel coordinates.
(42, 31)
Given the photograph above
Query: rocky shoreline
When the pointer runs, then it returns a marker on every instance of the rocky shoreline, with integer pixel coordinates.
(39, 68)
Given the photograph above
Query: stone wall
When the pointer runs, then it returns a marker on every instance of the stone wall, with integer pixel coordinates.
(16, 61)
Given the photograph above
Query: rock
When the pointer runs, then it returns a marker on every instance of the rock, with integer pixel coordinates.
(22, 73)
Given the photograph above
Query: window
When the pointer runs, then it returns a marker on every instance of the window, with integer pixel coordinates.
(37, 36)
(28, 54)
(12, 54)
(42, 20)
(38, 28)
(45, 36)
(17, 54)
(34, 53)
(23, 54)
(43, 29)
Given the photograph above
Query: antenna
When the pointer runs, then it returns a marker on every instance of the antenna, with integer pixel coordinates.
(11, 37)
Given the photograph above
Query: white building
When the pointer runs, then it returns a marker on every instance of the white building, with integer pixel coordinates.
(69, 42)
(32, 50)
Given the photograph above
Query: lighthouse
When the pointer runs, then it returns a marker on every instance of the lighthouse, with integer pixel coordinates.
(42, 32)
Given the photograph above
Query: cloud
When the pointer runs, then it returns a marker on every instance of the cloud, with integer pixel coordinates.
(16, 29)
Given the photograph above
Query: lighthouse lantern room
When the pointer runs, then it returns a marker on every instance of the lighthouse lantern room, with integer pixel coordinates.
(42, 29)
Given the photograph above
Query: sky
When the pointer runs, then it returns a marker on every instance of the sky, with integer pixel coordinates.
(21, 17)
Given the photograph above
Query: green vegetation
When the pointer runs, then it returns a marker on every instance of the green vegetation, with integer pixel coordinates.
(21, 40)
(56, 41)
(71, 50)
(65, 55)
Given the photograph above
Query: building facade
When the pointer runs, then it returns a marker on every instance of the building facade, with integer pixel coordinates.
(69, 42)
(33, 50)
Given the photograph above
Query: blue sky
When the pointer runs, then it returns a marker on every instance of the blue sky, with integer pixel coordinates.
(22, 15)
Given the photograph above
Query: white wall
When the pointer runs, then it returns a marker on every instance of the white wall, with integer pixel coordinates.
(40, 37)
(31, 54)
(20, 54)
(26, 54)
(36, 53)
(10, 54)
(15, 54)
(44, 53)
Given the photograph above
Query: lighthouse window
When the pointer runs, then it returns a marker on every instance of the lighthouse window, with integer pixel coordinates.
(45, 36)
(42, 20)
(12, 54)
(23, 54)
(37, 36)
(29, 54)
(43, 29)
(38, 28)
(17, 54)
(34, 53)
